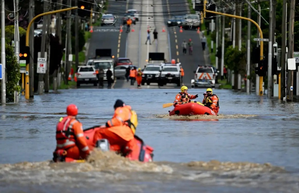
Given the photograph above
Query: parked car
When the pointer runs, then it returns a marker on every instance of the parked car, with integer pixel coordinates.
(86, 75)
(108, 19)
(120, 71)
(204, 76)
(123, 61)
(152, 74)
(126, 16)
(135, 12)
(175, 21)
(171, 73)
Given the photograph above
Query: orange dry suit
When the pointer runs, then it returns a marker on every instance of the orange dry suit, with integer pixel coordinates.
(70, 138)
(139, 77)
(133, 73)
(183, 98)
(117, 131)
(212, 101)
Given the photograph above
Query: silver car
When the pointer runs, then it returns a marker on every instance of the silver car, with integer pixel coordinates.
(108, 19)
(120, 71)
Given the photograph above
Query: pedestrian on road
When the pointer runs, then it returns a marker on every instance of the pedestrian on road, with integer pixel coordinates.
(109, 77)
(148, 37)
(184, 46)
(101, 78)
(182, 74)
(155, 35)
(127, 75)
(190, 46)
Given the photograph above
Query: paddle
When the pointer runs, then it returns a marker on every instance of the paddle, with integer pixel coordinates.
(171, 104)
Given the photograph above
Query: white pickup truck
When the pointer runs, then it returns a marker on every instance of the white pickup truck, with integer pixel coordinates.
(86, 75)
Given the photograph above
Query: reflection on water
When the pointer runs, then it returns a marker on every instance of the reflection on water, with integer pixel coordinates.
(251, 146)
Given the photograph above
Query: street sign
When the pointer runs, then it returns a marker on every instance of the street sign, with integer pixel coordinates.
(0, 71)
(296, 56)
(22, 66)
(261, 39)
(291, 64)
(41, 65)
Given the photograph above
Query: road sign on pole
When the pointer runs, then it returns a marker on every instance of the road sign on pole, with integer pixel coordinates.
(261, 39)
(0, 71)
(41, 65)
(22, 66)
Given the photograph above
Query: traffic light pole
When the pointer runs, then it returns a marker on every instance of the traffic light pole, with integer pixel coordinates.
(261, 36)
(27, 39)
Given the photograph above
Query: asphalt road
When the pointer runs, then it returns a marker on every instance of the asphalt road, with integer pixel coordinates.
(110, 37)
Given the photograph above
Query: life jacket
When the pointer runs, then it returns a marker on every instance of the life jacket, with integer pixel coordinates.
(133, 73)
(208, 102)
(184, 97)
(133, 121)
(129, 22)
(64, 136)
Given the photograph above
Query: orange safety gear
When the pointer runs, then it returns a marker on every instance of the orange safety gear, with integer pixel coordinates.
(212, 101)
(70, 138)
(129, 21)
(182, 72)
(133, 73)
(182, 98)
(117, 130)
(139, 77)
(72, 110)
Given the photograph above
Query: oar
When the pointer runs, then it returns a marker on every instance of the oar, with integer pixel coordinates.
(171, 104)
(167, 105)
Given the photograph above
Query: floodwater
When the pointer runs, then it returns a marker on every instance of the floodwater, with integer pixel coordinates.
(252, 146)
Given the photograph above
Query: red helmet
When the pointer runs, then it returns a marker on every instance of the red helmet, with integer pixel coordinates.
(190, 40)
(72, 110)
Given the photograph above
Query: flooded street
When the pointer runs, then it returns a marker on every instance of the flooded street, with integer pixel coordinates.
(252, 146)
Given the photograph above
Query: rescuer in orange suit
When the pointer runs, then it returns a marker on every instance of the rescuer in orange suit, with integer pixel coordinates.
(139, 77)
(116, 130)
(133, 73)
(70, 138)
(211, 100)
(182, 74)
(183, 96)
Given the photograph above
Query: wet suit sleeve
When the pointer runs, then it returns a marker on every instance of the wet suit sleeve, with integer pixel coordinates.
(80, 139)
(119, 118)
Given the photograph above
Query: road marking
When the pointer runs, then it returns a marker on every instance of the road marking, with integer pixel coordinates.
(176, 41)
(105, 30)
(177, 47)
(178, 60)
(177, 53)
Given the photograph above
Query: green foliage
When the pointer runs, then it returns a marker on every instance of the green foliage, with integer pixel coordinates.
(81, 38)
(12, 73)
(9, 33)
(235, 60)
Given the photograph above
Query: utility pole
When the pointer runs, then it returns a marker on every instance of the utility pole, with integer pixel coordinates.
(240, 44)
(257, 78)
(283, 48)
(31, 47)
(76, 37)
(58, 34)
(68, 44)
(3, 57)
(222, 44)
(48, 41)
(45, 33)
(291, 47)
(270, 82)
(248, 51)
(16, 40)
(217, 42)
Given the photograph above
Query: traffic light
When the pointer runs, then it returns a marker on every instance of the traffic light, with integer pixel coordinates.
(261, 69)
(84, 8)
(255, 54)
(24, 54)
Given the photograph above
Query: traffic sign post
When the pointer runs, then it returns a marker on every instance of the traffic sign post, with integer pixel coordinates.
(22, 66)
(0, 71)
(261, 39)
(41, 65)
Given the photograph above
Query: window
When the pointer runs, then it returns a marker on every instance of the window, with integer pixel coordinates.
(170, 69)
(206, 70)
(124, 61)
(88, 69)
(152, 68)
(103, 65)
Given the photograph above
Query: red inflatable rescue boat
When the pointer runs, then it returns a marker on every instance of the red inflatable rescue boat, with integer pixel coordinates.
(191, 109)
(141, 152)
